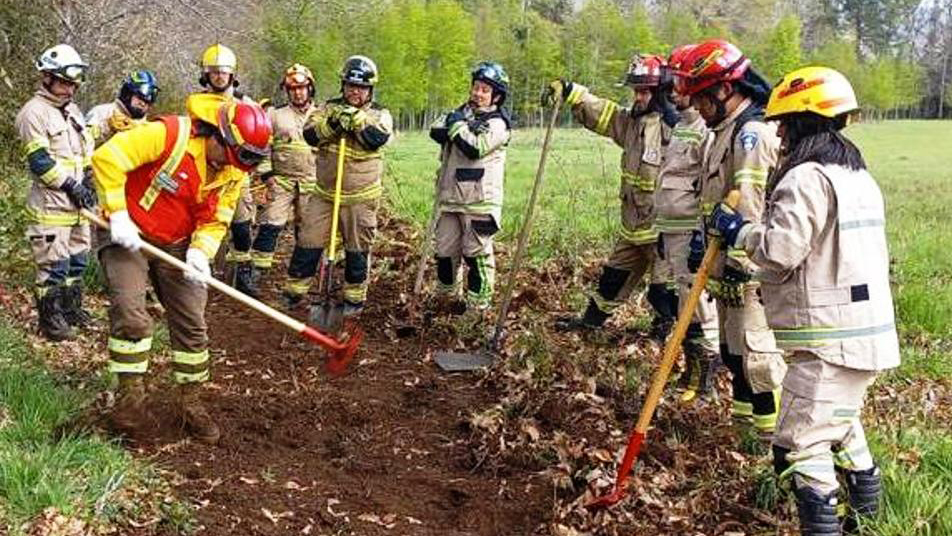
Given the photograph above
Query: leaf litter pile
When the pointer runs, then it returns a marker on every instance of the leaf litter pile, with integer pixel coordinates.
(395, 446)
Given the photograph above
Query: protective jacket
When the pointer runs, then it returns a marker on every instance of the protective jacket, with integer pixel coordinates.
(363, 164)
(825, 267)
(473, 160)
(678, 195)
(741, 156)
(291, 157)
(58, 147)
(107, 119)
(159, 173)
(642, 139)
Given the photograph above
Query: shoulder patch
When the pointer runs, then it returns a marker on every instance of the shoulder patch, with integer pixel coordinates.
(748, 140)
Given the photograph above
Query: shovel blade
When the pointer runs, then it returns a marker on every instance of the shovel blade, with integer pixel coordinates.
(328, 317)
(462, 362)
(338, 359)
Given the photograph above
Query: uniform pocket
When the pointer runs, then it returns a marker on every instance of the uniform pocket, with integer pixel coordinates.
(764, 363)
(469, 185)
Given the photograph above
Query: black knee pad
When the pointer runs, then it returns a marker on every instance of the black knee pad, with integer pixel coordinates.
(58, 271)
(445, 271)
(77, 264)
(663, 300)
(780, 462)
(486, 227)
(742, 390)
(474, 279)
(267, 239)
(355, 266)
(304, 262)
(764, 403)
(241, 235)
(611, 281)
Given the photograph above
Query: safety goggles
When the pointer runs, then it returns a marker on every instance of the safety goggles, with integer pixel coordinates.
(247, 157)
(75, 74)
(146, 92)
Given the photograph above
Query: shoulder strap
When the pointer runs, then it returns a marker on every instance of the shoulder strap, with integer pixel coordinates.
(754, 112)
(177, 132)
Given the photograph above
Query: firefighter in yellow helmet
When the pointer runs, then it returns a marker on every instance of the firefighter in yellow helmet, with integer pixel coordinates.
(825, 275)
(57, 148)
(642, 131)
(289, 174)
(219, 66)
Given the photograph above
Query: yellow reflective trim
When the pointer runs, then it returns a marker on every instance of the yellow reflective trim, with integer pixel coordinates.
(354, 153)
(121, 346)
(191, 377)
(640, 236)
(606, 116)
(115, 198)
(756, 177)
(237, 256)
(190, 358)
(262, 259)
(292, 145)
(576, 94)
(56, 219)
(131, 368)
(355, 293)
(36, 144)
(368, 193)
(206, 243)
(284, 182)
(224, 214)
(298, 287)
(170, 165)
(50, 176)
(121, 159)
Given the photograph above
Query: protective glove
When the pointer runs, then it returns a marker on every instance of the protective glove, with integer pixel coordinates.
(199, 272)
(556, 87)
(351, 118)
(454, 117)
(696, 250)
(732, 286)
(123, 231)
(120, 122)
(661, 103)
(726, 222)
(81, 195)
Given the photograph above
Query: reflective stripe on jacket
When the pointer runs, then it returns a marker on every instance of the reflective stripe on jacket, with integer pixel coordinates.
(291, 157)
(677, 199)
(825, 267)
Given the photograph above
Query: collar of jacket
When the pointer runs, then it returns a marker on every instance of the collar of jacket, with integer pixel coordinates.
(689, 115)
(57, 102)
(729, 120)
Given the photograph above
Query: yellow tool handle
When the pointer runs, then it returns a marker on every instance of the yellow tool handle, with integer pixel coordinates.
(338, 184)
(681, 327)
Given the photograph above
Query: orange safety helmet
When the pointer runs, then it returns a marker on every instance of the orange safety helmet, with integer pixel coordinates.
(645, 70)
(298, 75)
(709, 63)
(246, 129)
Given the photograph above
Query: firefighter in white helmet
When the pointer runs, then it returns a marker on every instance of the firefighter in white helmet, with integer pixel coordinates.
(824, 265)
(58, 150)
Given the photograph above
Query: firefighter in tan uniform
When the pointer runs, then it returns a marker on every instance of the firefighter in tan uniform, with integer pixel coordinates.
(642, 132)
(289, 175)
(677, 210)
(137, 95)
(825, 269)
(58, 147)
(473, 140)
(367, 128)
(176, 180)
(730, 96)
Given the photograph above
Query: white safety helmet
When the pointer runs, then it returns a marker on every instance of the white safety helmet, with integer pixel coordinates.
(63, 62)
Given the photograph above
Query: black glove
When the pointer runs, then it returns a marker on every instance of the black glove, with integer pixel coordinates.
(733, 275)
(662, 104)
(696, 253)
(81, 195)
(455, 117)
(659, 246)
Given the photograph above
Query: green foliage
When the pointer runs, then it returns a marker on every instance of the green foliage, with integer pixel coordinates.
(779, 52)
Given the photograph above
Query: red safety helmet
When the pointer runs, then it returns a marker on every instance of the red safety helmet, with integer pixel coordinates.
(709, 63)
(674, 64)
(246, 129)
(645, 70)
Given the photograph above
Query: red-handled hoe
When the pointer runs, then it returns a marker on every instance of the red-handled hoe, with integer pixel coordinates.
(660, 379)
(340, 350)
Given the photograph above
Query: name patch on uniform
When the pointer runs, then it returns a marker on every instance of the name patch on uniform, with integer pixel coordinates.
(748, 140)
(167, 183)
(652, 156)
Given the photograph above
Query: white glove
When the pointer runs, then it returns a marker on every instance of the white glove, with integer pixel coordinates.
(199, 272)
(123, 231)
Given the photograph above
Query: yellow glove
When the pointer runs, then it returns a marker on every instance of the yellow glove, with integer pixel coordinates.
(556, 87)
(119, 122)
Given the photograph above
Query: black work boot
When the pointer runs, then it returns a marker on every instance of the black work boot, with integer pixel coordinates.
(52, 321)
(73, 306)
(246, 279)
(817, 513)
(864, 488)
(195, 417)
(593, 318)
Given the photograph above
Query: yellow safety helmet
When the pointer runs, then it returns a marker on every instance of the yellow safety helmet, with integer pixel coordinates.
(220, 57)
(265, 103)
(819, 90)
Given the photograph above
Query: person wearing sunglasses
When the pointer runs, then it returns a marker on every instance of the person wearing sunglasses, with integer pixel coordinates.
(57, 147)
(173, 182)
(137, 94)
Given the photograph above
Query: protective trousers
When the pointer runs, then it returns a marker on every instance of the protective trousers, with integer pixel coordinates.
(750, 352)
(127, 275)
(287, 201)
(819, 428)
(241, 226)
(703, 331)
(357, 225)
(467, 237)
(624, 270)
(60, 253)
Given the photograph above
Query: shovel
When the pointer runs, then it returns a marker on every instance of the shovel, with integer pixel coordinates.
(637, 437)
(329, 314)
(458, 361)
(340, 351)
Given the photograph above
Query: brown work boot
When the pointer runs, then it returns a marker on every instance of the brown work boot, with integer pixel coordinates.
(128, 414)
(198, 422)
